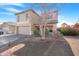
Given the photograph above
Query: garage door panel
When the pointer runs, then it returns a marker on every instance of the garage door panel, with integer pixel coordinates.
(24, 30)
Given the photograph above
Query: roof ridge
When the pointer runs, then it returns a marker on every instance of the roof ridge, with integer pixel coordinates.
(27, 11)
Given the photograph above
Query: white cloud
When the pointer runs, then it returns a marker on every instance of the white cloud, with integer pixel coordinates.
(7, 13)
(63, 19)
(12, 10)
(16, 4)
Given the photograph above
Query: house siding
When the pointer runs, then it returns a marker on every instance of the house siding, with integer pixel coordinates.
(34, 18)
(22, 17)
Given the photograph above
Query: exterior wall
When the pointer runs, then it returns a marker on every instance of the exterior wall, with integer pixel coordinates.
(54, 26)
(34, 18)
(22, 17)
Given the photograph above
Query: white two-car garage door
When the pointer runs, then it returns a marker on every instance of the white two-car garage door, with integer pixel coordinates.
(24, 30)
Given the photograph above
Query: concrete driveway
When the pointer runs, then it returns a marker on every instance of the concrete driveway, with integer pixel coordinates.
(9, 40)
(56, 46)
(74, 43)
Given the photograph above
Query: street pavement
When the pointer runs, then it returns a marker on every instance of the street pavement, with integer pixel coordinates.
(9, 40)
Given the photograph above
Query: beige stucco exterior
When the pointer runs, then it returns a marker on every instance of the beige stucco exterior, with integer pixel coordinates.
(25, 21)
(29, 19)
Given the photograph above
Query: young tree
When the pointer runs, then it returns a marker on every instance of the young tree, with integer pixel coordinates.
(46, 9)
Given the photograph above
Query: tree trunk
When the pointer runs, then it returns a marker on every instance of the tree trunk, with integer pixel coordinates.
(42, 32)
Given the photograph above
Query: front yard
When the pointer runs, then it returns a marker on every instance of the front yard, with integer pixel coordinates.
(56, 45)
(51, 46)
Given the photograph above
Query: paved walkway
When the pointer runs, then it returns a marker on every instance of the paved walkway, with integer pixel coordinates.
(74, 43)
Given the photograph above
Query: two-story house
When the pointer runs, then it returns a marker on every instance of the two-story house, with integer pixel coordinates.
(28, 21)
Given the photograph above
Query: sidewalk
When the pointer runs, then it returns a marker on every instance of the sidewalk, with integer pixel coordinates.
(74, 43)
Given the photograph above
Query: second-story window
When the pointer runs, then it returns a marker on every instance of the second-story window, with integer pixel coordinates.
(26, 15)
(17, 18)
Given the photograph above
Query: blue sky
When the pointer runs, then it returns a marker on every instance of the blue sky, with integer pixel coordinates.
(68, 12)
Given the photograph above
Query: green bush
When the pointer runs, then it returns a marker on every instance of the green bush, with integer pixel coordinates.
(50, 30)
(36, 33)
(68, 31)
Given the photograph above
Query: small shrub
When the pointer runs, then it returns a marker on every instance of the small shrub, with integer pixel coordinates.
(50, 30)
(36, 33)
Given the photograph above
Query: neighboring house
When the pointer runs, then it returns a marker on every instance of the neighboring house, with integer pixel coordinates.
(29, 20)
(1, 25)
(9, 27)
(76, 26)
(3, 32)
